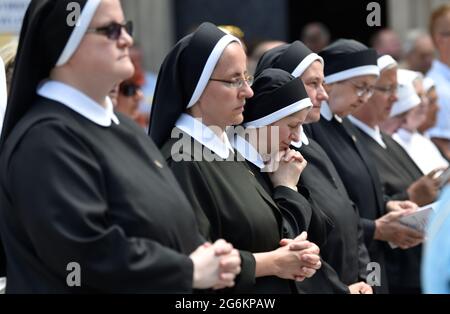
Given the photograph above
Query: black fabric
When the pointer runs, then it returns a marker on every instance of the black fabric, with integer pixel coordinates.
(299, 216)
(274, 90)
(229, 203)
(397, 172)
(345, 54)
(178, 78)
(115, 209)
(360, 177)
(345, 249)
(285, 57)
(43, 36)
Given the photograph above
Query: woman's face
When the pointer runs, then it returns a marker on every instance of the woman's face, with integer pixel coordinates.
(220, 104)
(129, 97)
(312, 78)
(343, 95)
(288, 131)
(433, 109)
(418, 115)
(103, 59)
(384, 96)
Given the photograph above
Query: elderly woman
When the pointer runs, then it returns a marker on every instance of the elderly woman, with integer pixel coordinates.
(202, 89)
(88, 205)
(345, 242)
(419, 147)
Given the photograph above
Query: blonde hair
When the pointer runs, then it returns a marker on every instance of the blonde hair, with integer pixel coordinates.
(437, 14)
(8, 54)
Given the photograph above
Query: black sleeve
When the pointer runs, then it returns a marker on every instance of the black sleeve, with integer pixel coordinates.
(300, 213)
(56, 185)
(294, 207)
(324, 281)
(206, 209)
(368, 227)
(363, 253)
(400, 196)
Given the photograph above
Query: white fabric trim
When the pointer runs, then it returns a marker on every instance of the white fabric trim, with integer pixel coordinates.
(374, 133)
(209, 67)
(306, 62)
(280, 114)
(325, 112)
(303, 139)
(204, 135)
(79, 31)
(3, 93)
(353, 72)
(79, 102)
(247, 151)
(385, 61)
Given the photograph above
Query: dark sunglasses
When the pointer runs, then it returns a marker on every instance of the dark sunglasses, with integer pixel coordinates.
(129, 89)
(113, 30)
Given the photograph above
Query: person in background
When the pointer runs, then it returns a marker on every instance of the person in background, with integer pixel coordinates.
(433, 107)
(419, 147)
(418, 49)
(129, 92)
(387, 41)
(316, 36)
(436, 256)
(7, 58)
(259, 51)
(440, 73)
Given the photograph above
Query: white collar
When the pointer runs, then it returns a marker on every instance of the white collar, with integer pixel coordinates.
(247, 151)
(374, 133)
(303, 139)
(79, 102)
(326, 112)
(204, 135)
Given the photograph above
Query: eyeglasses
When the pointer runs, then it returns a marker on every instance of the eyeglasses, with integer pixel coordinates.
(238, 83)
(388, 90)
(129, 89)
(363, 90)
(113, 30)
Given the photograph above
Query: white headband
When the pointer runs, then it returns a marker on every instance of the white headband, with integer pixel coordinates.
(209, 67)
(79, 30)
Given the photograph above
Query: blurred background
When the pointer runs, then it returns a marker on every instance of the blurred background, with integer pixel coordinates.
(260, 23)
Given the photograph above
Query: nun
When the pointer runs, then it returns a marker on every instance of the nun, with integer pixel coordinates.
(345, 250)
(350, 74)
(271, 119)
(419, 147)
(81, 212)
(399, 175)
(202, 89)
(401, 178)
